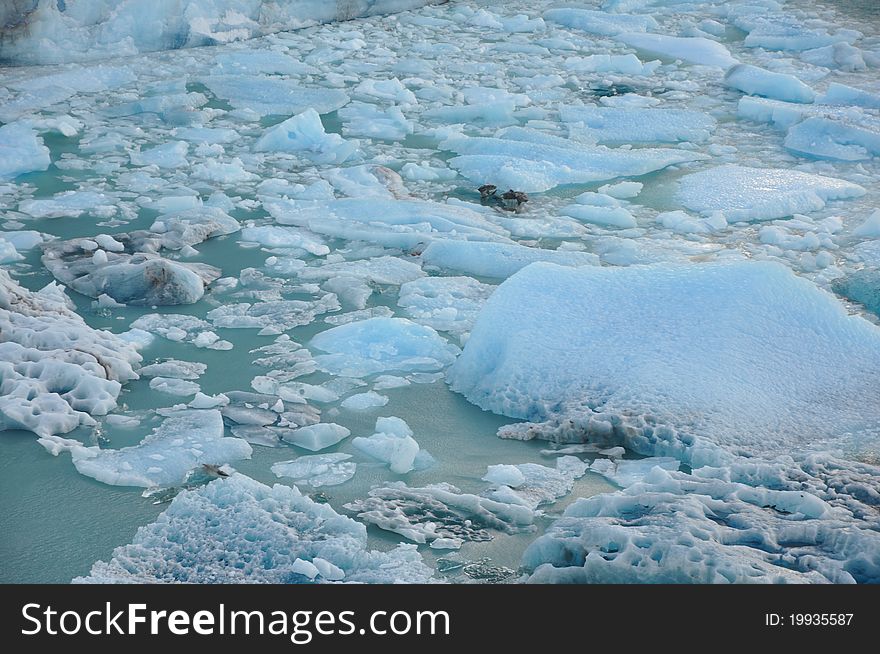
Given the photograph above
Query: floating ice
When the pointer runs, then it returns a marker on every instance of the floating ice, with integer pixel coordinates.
(759, 81)
(139, 279)
(754, 194)
(599, 209)
(600, 22)
(186, 439)
(439, 511)
(70, 204)
(55, 370)
(447, 304)
(368, 120)
(531, 161)
(167, 155)
(497, 260)
(316, 437)
(173, 386)
(627, 472)
(272, 95)
(693, 49)
(393, 443)
(533, 484)
(622, 125)
(21, 151)
(391, 223)
(205, 536)
(870, 228)
(275, 236)
(274, 316)
(318, 469)
(767, 340)
(826, 138)
(364, 401)
(304, 134)
(627, 64)
(379, 345)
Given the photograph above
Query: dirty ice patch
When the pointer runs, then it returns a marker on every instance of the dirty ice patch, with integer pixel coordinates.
(206, 536)
(745, 194)
(381, 345)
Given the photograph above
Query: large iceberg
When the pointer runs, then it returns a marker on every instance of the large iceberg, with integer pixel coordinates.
(742, 370)
(49, 31)
(207, 536)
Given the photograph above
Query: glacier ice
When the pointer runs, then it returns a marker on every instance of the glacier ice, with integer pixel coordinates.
(21, 151)
(184, 440)
(317, 470)
(304, 134)
(600, 22)
(316, 437)
(775, 344)
(759, 81)
(640, 125)
(529, 161)
(447, 304)
(753, 194)
(379, 345)
(693, 49)
(497, 260)
(204, 536)
(55, 370)
(393, 443)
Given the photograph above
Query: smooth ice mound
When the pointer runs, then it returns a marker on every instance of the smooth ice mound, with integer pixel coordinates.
(380, 345)
(42, 32)
(531, 161)
(693, 49)
(600, 22)
(766, 342)
(497, 260)
(391, 223)
(185, 440)
(55, 370)
(205, 536)
(757, 194)
(304, 134)
(759, 81)
(273, 96)
(21, 151)
(637, 125)
(741, 370)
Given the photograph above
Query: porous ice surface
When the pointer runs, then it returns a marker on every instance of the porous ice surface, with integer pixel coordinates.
(55, 370)
(716, 338)
(185, 440)
(741, 193)
(318, 470)
(206, 536)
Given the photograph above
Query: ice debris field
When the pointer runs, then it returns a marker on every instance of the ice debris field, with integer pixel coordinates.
(456, 292)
